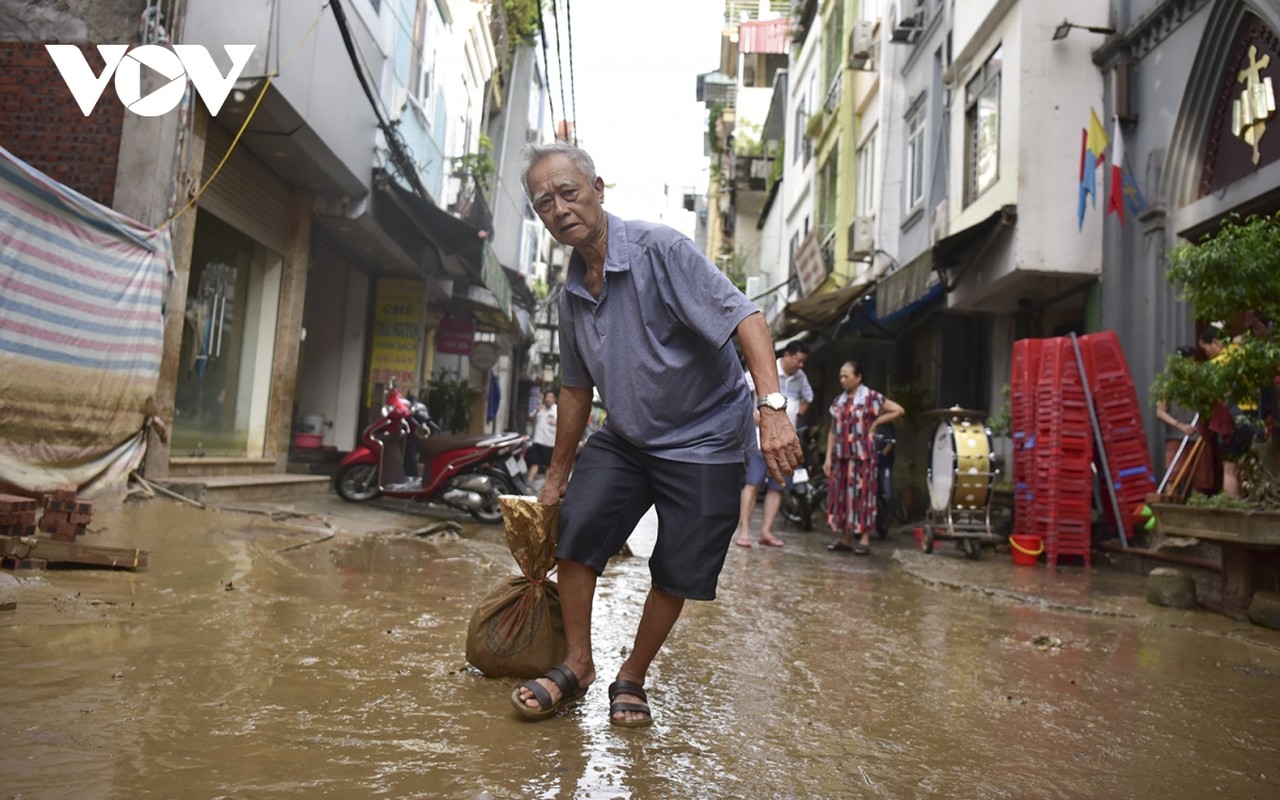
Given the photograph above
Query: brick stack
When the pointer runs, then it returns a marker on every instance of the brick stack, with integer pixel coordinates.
(65, 516)
(1115, 401)
(1062, 474)
(17, 515)
(1025, 375)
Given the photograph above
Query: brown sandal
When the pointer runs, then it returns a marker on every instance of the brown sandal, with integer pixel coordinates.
(629, 687)
(564, 679)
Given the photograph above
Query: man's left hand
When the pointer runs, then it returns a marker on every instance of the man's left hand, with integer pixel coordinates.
(780, 445)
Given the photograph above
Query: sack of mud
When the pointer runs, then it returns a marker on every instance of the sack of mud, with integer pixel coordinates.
(517, 630)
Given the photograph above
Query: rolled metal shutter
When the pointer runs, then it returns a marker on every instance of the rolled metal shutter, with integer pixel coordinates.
(245, 194)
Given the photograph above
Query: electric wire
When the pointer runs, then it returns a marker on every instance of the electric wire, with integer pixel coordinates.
(555, 16)
(573, 95)
(400, 156)
(546, 68)
(266, 84)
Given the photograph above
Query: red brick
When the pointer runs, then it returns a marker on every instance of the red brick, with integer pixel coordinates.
(17, 517)
(13, 502)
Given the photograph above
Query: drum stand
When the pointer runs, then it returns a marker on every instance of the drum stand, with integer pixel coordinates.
(971, 527)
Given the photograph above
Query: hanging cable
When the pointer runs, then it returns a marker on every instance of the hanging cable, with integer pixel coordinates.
(573, 95)
(555, 15)
(401, 158)
(546, 68)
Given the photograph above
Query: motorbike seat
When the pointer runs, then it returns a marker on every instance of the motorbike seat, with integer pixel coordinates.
(440, 443)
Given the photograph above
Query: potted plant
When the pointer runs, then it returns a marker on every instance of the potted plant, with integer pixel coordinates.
(1230, 277)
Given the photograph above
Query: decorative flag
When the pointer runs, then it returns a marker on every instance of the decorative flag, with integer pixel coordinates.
(1093, 144)
(1115, 195)
(1132, 194)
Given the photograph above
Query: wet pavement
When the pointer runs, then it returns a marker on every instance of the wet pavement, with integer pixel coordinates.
(316, 649)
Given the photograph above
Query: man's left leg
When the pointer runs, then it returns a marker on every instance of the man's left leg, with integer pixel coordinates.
(697, 511)
(661, 610)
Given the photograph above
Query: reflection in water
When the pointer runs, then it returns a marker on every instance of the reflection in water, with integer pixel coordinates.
(236, 668)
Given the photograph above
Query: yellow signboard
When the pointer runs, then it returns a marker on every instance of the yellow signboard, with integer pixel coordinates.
(397, 328)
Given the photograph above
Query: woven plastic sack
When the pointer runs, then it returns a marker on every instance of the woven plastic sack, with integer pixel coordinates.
(517, 630)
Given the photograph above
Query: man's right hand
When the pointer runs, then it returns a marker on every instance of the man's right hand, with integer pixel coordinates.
(553, 489)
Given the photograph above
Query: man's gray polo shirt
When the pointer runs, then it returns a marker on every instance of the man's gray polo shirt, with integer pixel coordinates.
(657, 345)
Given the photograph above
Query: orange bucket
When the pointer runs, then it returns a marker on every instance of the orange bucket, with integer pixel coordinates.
(1025, 549)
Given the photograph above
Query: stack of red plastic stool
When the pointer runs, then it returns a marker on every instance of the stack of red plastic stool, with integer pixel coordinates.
(1025, 373)
(1062, 477)
(1115, 403)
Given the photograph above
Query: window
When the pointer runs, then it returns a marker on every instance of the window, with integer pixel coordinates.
(913, 175)
(982, 128)
(833, 45)
(802, 150)
(422, 62)
(829, 188)
(864, 202)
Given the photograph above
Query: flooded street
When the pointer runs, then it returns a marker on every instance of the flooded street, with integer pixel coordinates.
(282, 658)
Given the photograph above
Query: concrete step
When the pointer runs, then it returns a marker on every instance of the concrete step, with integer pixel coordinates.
(199, 467)
(222, 489)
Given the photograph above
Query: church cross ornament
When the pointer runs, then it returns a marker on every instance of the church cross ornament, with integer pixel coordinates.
(1256, 104)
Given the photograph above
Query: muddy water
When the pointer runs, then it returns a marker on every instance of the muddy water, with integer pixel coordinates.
(255, 659)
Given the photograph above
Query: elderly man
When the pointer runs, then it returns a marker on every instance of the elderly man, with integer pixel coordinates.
(647, 320)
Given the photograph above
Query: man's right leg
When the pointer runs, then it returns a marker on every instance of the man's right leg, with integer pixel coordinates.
(577, 584)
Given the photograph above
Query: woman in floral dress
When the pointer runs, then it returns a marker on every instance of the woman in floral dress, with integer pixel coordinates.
(850, 465)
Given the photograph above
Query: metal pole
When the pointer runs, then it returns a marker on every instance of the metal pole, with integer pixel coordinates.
(1098, 441)
(1185, 438)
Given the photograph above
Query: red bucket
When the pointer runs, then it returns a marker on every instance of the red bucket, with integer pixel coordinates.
(1025, 549)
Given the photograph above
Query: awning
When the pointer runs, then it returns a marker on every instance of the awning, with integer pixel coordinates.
(817, 311)
(770, 36)
(463, 247)
(957, 250)
(898, 289)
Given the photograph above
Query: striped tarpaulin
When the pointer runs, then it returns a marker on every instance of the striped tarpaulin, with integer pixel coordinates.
(81, 333)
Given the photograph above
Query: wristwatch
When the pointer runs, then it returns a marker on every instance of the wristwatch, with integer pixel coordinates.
(775, 400)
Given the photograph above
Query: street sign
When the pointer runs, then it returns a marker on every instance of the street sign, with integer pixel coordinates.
(809, 267)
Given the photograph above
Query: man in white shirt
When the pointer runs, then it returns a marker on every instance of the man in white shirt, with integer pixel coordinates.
(794, 385)
(544, 434)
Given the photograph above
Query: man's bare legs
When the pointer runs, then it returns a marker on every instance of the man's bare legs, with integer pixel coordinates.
(748, 504)
(577, 593)
(772, 504)
(577, 583)
(661, 610)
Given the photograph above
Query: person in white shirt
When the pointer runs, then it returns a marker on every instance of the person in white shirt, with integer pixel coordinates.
(544, 434)
(794, 385)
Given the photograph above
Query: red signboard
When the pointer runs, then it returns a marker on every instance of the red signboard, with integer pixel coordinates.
(455, 336)
(809, 267)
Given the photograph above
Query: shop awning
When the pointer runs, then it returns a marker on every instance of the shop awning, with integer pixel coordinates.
(463, 247)
(817, 311)
(958, 249)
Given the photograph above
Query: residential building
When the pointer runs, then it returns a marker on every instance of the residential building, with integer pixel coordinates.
(328, 222)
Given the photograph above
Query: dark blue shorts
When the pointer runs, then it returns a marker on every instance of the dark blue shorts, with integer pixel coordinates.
(758, 473)
(615, 483)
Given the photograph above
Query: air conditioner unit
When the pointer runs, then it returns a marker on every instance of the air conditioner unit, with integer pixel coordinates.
(938, 222)
(861, 44)
(862, 238)
(908, 22)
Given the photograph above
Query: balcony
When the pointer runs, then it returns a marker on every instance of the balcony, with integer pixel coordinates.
(832, 101)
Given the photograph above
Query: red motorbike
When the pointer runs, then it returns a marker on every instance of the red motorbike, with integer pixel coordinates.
(462, 472)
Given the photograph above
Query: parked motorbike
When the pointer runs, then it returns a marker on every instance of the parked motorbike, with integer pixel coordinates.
(808, 487)
(889, 506)
(462, 472)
